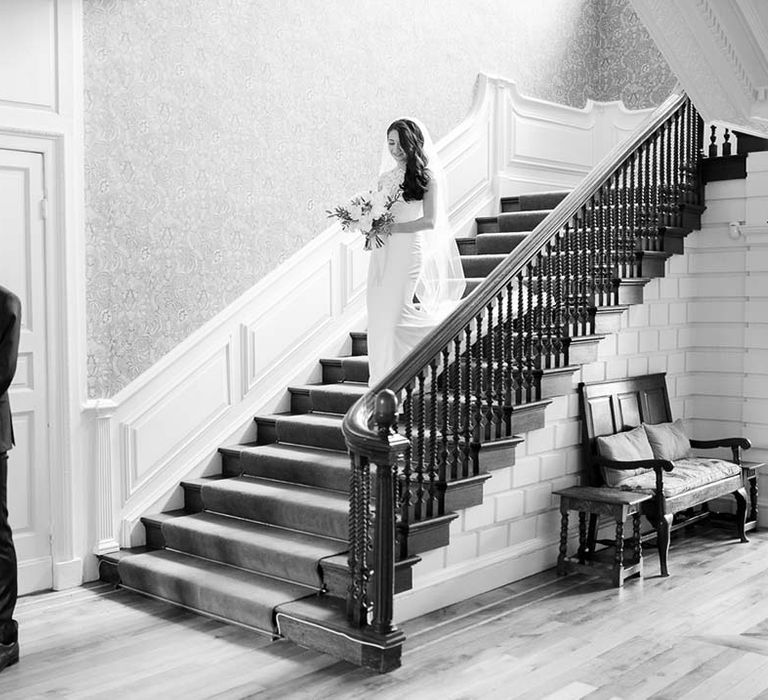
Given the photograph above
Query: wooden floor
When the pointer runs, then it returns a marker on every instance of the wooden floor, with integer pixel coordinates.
(702, 633)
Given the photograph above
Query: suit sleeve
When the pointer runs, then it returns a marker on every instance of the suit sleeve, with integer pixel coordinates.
(9, 342)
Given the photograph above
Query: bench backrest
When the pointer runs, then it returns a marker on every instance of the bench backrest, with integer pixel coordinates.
(613, 406)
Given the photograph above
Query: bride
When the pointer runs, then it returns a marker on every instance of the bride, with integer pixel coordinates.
(415, 279)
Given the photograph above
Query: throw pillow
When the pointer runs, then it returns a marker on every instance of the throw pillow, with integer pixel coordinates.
(629, 446)
(668, 440)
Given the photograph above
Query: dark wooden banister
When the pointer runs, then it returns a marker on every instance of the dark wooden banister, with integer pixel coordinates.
(360, 434)
(461, 384)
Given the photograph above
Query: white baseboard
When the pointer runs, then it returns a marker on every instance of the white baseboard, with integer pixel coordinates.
(470, 578)
(67, 574)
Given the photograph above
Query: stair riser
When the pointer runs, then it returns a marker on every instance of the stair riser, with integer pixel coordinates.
(476, 266)
(359, 345)
(556, 384)
(297, 433)
(520, 221)
(498, 243)
(429, 536)
(582, 352)
(487, 224)
(336, 578)
(324, 402)
(652, 267)
(466, 246)
(278, 512)
(348, 373)
(284, 470)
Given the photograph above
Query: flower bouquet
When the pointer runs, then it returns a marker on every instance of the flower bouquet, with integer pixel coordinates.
(368, 213)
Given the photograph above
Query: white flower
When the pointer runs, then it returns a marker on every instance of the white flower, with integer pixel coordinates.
(355, 211)
(366, 222)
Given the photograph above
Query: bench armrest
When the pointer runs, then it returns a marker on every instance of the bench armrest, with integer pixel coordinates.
(656, 464)
(735, 443)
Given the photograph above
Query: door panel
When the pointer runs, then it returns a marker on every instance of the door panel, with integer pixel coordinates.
(22, 270)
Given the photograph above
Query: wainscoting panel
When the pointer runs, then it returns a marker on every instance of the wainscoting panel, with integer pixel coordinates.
(559, 145)
(288, 322)
(154, 436)
(28, 60)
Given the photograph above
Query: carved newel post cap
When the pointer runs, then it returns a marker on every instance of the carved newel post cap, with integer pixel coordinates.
(386, 410)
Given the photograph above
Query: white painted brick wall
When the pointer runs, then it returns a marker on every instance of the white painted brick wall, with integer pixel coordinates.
(705, 324)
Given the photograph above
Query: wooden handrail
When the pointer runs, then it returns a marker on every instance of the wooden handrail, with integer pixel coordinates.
(361, 436)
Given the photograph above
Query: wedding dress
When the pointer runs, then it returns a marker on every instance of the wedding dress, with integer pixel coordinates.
(415, 279)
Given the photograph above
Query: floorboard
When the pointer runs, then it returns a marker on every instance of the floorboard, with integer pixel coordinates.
(701, 633)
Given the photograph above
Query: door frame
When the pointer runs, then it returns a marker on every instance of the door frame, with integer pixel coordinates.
(65, 323)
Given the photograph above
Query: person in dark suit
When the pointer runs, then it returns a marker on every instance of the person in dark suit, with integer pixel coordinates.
(10, 329)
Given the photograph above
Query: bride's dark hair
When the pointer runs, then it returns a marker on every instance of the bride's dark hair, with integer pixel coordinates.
(416, 172)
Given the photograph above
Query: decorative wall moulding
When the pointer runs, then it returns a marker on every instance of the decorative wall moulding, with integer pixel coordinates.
(719, 53)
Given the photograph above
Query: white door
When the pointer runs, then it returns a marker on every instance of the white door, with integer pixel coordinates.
(22, 270)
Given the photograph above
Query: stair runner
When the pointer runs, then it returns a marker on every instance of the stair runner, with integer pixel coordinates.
(272, 528)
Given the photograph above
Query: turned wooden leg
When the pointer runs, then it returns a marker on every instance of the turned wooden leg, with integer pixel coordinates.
(753, 499)
(562, 569)
(741, 513)
(618, 562)
(663, 531)
(638, 549)
(594, 522)
(582, 536)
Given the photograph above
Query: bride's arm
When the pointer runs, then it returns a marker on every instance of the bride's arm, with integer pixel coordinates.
(425, 222)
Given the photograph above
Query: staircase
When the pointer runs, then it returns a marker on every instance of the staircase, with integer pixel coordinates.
(272, 528)
(288, 541)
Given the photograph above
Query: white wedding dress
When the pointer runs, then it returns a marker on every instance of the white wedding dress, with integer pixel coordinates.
(395, 323)
(415, 279)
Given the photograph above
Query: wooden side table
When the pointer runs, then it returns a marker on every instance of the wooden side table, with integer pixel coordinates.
(602, 501)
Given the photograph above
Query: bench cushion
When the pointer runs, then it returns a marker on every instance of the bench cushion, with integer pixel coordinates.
(689, 473)
(668, 440)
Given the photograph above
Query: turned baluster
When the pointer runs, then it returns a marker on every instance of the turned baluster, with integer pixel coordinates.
(507, 369)
(433, 507)
(727, 143)
(422, 492)
(358, 602)
(490, 359)
(499, 368)
(519, 338)
(456, 407)
(529, 331)
(634, 268)
(712, 153)
(557, 302)
(655, 214)
(468, 400)
(645, 193)
(406, 497)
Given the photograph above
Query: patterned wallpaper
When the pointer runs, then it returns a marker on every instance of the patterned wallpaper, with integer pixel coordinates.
(218, 131)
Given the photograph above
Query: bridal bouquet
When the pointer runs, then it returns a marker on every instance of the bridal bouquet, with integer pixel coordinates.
(368, 213)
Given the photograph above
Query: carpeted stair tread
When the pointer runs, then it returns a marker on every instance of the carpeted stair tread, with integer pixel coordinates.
(217, 589)
(521, 220)
(311, 466)
(331, 398)
(266, 549)
(499, 242)
(317, 429)
(303, 508)
(481, 265)
(541, 200)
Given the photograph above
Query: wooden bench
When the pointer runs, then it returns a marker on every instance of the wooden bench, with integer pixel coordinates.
(615, 415)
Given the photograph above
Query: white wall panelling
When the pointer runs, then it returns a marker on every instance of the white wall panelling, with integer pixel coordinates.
(41, 111)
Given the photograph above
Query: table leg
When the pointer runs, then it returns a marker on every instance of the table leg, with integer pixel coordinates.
(636, 536)
(582, 536)
(618, 564)
(562, 569)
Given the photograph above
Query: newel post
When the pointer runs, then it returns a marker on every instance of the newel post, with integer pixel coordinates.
(384, 528)
(372, 522)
